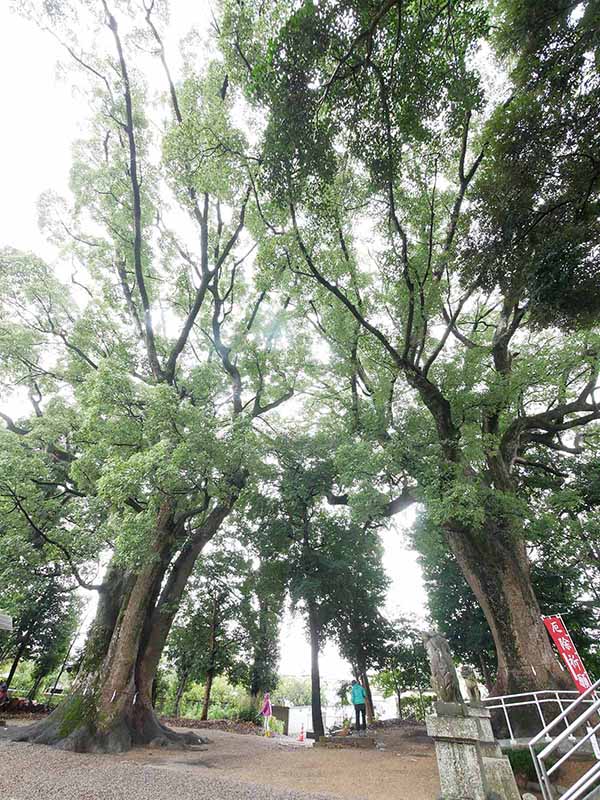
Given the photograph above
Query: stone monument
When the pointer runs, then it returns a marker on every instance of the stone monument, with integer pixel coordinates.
(470, 762)
(471, 685)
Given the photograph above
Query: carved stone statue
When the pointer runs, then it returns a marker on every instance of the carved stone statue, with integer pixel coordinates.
(444, 679)
(471, 684)
(470, 761)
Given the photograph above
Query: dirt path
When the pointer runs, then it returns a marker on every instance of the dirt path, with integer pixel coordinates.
(231, 766)
(405, 770)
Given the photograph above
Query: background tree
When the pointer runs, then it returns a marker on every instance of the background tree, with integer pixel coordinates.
(361, 631)
(208, 638)
(293, 691)
(263, 593)
(332, 564)
(405, 666)
(45, 614)
(57, 646)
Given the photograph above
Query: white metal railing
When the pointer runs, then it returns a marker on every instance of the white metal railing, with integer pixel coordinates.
(585, 706)
(561, 698)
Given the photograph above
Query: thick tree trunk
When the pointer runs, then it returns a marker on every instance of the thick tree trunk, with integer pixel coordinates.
(161, 615)
(103, 713)
(399, 701)
(110, 708)
(495, 564)
(315, 678)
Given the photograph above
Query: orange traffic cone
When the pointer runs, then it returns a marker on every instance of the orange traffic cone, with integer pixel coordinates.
(301, 735)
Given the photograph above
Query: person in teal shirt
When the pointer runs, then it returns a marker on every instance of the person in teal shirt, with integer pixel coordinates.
(359, 697)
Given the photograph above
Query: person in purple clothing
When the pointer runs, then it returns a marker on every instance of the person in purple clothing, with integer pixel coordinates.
(359, 697)
(266, 713)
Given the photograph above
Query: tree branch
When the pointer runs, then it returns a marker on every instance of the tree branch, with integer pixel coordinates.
(137, 201)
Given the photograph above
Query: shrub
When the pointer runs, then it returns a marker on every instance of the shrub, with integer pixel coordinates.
(417, 707)
(522, 764)
(247, 711)
(277, 725)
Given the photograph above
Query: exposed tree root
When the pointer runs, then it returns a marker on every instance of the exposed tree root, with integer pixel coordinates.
(73, 726)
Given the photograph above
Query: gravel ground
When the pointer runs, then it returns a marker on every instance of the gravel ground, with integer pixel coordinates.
(230, 767)
(31, 772)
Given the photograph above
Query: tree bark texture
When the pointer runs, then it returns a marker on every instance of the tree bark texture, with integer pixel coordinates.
(495, 564)
(210, 675)
(110, 708)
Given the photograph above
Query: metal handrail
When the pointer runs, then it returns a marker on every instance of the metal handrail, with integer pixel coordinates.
(506, 702)
(539, 691)
(593, 774)
(579, 742)
(589, 691)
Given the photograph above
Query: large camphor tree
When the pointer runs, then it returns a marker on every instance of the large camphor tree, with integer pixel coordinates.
(148, 352)
(431, 172)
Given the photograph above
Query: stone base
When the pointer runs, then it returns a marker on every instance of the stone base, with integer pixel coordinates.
(346, 742)
(500, 779)
(470, 762)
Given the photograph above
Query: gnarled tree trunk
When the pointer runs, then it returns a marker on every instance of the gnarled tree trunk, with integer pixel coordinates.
(495, 564)
(102, 714)
(110, 708)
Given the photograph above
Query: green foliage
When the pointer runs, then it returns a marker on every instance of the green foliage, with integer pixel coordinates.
(560, 585)
(438, 239)
(45, 612)
(479, 217)
(404, 665)
(417, 707)
(522, 763)
(246, 710)
(207, 636)
(292, 691)
(538, 193)
(263, 592)
(147, 349)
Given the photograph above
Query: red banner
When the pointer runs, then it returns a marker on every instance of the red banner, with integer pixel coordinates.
(564, 644)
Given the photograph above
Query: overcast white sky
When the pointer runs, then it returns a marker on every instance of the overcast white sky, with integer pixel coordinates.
(39, 123)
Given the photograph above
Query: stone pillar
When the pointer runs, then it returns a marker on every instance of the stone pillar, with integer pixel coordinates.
(470, 762)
